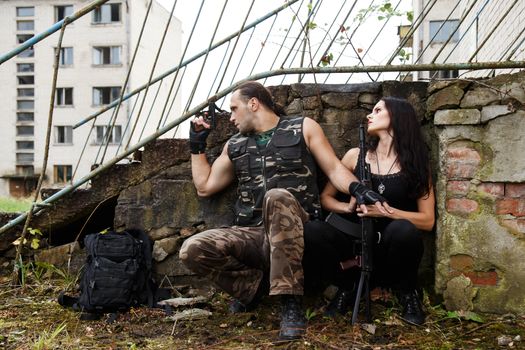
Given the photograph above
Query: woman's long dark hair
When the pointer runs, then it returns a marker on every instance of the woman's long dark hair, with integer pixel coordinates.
(411, 149)
(251, 89)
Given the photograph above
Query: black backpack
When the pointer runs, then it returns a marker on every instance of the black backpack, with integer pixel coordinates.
(116, 275)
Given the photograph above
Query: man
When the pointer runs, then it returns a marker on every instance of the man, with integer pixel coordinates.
(273, 159)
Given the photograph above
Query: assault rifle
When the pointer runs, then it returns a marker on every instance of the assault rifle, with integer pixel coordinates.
(367, 235)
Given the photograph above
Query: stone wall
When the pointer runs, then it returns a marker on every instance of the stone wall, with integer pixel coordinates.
(475, 130)
(168, 208)
(481, 192)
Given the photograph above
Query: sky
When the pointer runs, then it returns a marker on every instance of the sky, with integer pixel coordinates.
(256, 51)
(186, 11)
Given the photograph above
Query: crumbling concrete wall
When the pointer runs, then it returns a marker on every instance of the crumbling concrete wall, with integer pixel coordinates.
(168, 208)
(481, 192)
(476, 133)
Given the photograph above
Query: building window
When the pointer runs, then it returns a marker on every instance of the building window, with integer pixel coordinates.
(64, 134)
(30, 51)
(25, 130)
(64, 97)
(25, 157)
(444, 33)
(25, 67)
(114, 137)
(26, 92)
(66, 56)
(62, 173)
(26, 79)
(25, 25)
(108, 13)
(105, 95)
(25, 11)
(25, 170)
(62, 12)
(25, 116)
(25, 145)
(106, 55)
(25, 104)
(445, 74)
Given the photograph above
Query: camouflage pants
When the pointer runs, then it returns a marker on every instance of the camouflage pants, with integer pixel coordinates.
(237, 258)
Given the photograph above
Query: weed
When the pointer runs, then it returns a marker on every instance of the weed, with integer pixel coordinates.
(310, 314)
(46, 339)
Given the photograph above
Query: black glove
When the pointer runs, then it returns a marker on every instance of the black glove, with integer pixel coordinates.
(198, 139)
(364, 195)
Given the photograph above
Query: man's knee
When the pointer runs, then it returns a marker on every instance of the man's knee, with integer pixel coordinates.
(278, 194)
(188, 251)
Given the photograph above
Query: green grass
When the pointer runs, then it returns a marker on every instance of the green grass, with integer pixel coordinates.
(10, 205)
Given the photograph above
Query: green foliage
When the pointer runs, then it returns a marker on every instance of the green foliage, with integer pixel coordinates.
(440, 312)
(382, 11)
(312, 25)
(404, 56)
(466, 315)
(310, 314)
(46, 340)
(410, 16)
(13, 205)
(22, 270)
(35, 240)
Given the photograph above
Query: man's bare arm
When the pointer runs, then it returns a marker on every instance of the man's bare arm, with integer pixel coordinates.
(210, 179)
(325, 156)
(340, 176)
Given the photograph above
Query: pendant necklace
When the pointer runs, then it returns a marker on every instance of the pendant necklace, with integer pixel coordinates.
(381, 188)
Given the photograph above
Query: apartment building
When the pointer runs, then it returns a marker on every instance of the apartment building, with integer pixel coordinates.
(468, 31)
(94, 61)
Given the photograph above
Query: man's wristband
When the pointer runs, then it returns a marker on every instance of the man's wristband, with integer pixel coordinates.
(197, 147)
(353, 186)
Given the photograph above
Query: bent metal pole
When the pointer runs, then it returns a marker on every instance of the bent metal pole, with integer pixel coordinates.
(302, 70)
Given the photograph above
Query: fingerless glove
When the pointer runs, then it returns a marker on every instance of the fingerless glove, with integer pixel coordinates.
(198, 140)
(364, 195)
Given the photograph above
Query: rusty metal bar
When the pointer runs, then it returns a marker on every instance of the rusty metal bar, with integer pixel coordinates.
(413, 28)
(54, 28)
(465, 32)
(197, 17)
(334, 38)
(241, 31)
(152, 71)
(465, 15)
(435, 34)
(192, 94)
(493, 30)
(415, 25)
(369, 47)
(194, 58)
(303, 70)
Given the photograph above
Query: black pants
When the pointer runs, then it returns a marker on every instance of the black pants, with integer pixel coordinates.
(396, 256)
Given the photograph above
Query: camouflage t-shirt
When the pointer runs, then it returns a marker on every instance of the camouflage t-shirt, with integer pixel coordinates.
(263, 138)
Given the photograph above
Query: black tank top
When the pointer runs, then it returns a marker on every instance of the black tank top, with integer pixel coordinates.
(396, 194)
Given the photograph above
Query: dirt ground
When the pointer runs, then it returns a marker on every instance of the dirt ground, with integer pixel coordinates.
(30, 318)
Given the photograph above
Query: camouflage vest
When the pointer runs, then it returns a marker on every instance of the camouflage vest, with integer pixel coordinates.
(284, 163)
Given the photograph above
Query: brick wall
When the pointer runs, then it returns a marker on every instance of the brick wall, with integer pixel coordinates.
(481, 191)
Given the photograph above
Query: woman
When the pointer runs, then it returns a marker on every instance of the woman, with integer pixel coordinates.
(398, 159)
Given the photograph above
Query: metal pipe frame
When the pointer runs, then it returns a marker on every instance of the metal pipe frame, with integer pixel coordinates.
(282, 71)
(54, 28)
(185, 63)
